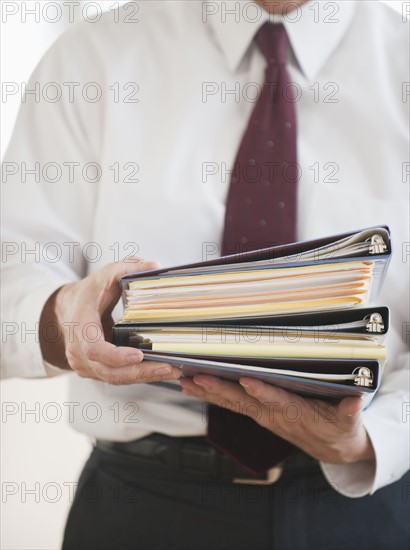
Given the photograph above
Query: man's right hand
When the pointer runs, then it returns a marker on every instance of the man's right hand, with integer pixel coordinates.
(82, 311)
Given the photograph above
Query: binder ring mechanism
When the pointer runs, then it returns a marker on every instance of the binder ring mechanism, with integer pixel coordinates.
(363, 378)
(374, 323)
(377, 244)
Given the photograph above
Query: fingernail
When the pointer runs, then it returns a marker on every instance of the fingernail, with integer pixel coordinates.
(163, 371)
(155, 264)
(245, 385)
(135, 358)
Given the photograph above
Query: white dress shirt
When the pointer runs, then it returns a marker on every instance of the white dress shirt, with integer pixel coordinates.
(163, 178)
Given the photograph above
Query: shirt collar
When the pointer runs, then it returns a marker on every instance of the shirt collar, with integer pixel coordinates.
(312, 35)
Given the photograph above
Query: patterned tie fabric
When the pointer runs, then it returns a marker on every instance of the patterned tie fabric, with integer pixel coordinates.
(261, 212)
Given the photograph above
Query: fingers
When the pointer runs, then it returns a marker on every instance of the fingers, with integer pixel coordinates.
(271, 395)
(328, 432)
(143, 373)
(89, 343)
(265, 392)
(110, 355)
(88, 305)
(228, 395)
(216, 387)
(92, 357)
(350, 407)
(124, 365)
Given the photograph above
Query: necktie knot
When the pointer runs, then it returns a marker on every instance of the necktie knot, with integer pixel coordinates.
(273, 42)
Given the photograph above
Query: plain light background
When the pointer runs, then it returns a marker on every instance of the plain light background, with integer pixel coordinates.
(41, 456)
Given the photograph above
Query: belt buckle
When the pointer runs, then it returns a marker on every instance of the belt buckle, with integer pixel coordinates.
(272, 476)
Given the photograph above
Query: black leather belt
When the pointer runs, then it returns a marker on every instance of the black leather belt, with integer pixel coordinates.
(189, 454)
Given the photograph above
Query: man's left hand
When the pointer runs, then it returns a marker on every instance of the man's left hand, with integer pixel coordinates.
(328, 432)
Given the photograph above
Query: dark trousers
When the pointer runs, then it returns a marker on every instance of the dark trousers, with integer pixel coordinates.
(127, 503)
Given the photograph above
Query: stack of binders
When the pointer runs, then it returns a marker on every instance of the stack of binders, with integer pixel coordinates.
(296, 316)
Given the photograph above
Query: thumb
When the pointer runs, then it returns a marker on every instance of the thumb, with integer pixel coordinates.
(128, 266)
(351, 406)
(111, 276)
(134, 265)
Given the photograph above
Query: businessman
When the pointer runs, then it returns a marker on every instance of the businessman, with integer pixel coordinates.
(184, 128)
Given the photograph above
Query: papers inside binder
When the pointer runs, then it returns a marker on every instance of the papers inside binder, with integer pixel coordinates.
(249, 293)
(250, 342)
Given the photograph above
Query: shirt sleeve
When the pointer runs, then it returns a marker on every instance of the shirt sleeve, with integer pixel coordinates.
(387, 417)
(49, 205)
(387, 423)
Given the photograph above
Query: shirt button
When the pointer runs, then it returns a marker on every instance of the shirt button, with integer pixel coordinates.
(251, 161)
(288, 125)
(244, 240)
(281, 204)
(248, 201)
(262, 222)
(269, 143)
(267, 183)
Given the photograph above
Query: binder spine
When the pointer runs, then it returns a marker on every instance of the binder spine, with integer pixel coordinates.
(120, 335)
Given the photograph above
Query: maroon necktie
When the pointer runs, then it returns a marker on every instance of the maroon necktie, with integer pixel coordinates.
(261, 212)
